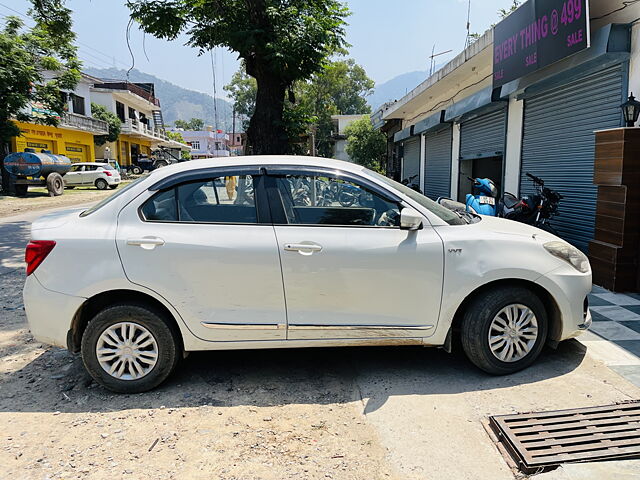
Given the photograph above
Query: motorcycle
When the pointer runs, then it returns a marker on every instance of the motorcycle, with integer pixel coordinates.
(536, 210)
(413, 183)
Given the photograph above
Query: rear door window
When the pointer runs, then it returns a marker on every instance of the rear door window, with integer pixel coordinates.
(228, 199)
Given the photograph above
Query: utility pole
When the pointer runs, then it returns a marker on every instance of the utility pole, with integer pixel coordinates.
(233, 126)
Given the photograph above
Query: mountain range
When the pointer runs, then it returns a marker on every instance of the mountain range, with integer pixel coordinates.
(396, 88)
(181, 103)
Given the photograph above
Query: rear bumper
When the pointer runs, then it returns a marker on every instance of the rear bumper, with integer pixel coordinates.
(569, 288)
(49, 313)
(113, 180)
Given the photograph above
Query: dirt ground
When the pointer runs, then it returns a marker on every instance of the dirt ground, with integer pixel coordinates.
(39, 199)
(228, 415)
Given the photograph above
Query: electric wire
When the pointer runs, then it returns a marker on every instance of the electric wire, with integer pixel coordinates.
(451, 99)
(625, 4)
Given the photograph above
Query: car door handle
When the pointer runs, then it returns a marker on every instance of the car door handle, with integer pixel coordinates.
(148, 243)
(303, 248)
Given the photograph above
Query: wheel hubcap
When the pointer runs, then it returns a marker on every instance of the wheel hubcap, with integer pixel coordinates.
(513, 333)
(127, 351)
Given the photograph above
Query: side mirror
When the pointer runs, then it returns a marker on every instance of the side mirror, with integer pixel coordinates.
(410, 219)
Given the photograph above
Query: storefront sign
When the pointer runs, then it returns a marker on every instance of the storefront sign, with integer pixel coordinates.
(539, 33)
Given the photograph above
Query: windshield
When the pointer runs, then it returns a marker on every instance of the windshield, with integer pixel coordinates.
(438, 210)
(110, 198)
(107, 167)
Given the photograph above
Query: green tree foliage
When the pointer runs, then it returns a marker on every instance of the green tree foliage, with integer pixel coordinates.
(280, 43)
(101, 113)
(177, 136)
(505, 12)
(339, 88)
(195, 124)
(25, 54)
(365, 145)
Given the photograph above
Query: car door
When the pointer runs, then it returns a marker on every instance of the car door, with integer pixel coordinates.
(349, 270)
(74, 176)
(90, 175)
(207, 246)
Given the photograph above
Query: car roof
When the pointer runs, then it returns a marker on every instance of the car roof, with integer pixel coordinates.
(259, 160)
(88, 163)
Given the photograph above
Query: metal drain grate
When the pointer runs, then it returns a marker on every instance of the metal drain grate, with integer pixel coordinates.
(545, 439)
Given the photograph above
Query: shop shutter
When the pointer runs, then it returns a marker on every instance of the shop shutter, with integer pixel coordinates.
(483, 136)
(411, 161)
(559, 146)
(438, 164)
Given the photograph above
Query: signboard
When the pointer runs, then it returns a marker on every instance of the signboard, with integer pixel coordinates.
(539, 33)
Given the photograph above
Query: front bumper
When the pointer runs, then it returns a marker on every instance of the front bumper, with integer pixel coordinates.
(49, 313)
(569, 288)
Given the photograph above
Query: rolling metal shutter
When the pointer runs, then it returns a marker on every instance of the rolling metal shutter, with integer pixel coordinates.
(559, 146)
(411, 161)
(437, 179)
(483, 136)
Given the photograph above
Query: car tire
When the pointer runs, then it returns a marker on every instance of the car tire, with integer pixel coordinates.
(113, 187)
(101, 184)
(486, 316)
(136, 170)
(138, 318)
(55, 184)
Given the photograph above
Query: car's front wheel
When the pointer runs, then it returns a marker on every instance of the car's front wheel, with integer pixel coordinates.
(101, 184)
(129, 348)
(504, 330)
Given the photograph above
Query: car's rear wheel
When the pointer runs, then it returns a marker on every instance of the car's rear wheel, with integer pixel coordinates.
(113, 187)
(101, 184)
(129, 348)
(504, 330)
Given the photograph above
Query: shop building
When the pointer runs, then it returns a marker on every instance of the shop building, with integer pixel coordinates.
(466, 120)
(73, 137)
(139, 111)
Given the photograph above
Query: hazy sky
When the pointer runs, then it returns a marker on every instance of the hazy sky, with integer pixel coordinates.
(388, 38)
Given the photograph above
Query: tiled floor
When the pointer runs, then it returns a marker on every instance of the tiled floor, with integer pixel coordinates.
(616, 317)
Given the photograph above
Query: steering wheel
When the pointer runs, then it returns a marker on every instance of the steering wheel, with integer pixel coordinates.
(390, 218)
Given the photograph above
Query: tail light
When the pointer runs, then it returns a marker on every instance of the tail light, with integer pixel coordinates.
(107, 173)
(36, 252)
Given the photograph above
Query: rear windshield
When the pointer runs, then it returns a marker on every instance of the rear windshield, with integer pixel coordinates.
(106, 166)
(438, 210)
(110, 198)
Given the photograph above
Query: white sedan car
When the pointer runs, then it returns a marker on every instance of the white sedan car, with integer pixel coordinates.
(266, 252)
(99, 175)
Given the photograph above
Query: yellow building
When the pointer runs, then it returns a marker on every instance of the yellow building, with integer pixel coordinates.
(139, 111)
(73, 137)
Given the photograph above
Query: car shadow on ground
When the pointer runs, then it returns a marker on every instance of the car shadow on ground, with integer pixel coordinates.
(56, 381)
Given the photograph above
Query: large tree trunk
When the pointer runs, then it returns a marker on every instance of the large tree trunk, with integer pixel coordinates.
(267, 134)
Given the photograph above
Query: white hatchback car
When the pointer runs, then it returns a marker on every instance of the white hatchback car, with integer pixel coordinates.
(266, 252)
(100, 175)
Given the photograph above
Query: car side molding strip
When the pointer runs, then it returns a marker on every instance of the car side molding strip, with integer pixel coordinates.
(243, 326)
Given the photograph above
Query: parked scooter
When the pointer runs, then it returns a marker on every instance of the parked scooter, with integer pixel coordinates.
(483, 198)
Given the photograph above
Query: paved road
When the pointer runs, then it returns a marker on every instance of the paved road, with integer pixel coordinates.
(427, 409)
